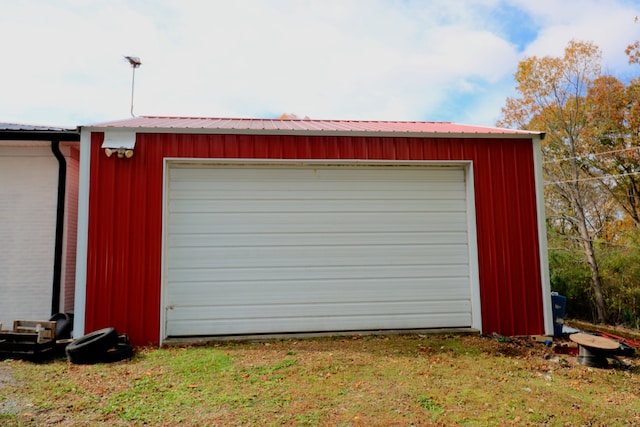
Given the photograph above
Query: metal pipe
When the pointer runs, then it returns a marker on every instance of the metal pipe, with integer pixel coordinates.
(59, 240)
(133, 79)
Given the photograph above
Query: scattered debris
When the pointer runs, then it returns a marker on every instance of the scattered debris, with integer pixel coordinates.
(29, 339)
(39, 340)
(566, 348)
(627, 346)
(567, 330)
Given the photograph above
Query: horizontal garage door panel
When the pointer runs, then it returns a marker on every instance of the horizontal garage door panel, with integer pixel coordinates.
(242, 273)
(202, 327)
(357, 290)
(318, 256)
(190, 240)
(293, 249)
(256, 222)
(314, 206)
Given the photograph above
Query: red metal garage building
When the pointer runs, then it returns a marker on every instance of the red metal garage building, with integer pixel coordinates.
(210, 227)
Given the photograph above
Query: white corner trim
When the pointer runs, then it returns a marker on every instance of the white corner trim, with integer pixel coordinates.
(82, 238)
(542, 237)
(163, 274)
(472, 239)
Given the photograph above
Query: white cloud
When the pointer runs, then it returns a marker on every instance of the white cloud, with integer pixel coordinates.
(610, 25)
(344, 59)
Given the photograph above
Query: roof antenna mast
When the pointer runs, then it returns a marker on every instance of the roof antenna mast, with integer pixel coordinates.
(135, 63)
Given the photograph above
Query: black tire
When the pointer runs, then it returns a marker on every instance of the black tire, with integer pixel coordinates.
(64, 325)
(92, 347)
(120, 352)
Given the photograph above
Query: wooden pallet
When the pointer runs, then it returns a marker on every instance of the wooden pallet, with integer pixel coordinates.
(33, 339)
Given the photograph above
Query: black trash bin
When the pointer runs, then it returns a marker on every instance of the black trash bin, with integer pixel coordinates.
(559, 306)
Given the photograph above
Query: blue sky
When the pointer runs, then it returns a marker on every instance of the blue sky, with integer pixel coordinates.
(432, 60)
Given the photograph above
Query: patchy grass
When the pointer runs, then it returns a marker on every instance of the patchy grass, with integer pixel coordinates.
(390, 380)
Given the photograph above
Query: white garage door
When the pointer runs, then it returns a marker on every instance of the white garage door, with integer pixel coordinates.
(265, 249)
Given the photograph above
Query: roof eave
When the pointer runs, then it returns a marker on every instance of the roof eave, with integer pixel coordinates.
(34, 135)
(294, 132)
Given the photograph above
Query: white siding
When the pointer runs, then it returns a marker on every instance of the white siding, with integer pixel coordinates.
(292, 249)
(28, 196)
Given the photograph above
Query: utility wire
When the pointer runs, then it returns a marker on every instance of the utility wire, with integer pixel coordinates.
(592, 178)
(600, 242)
(564, 159)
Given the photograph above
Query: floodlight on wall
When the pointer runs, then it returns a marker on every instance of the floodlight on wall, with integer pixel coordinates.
(119, 142)
(121, 152)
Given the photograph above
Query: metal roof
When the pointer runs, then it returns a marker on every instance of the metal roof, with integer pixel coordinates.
(298, 126)
(17, 131)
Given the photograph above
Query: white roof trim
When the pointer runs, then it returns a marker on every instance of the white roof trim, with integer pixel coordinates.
(381, 134)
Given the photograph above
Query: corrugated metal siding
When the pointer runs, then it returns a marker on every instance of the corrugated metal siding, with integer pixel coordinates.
(125, 219)
(35, 128)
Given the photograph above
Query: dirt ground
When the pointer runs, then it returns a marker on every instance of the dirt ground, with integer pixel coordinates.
(9, 406)
(261, 361)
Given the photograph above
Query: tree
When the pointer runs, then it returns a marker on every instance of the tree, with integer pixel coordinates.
(614, 122)
(633, 50)
(553, 98)
(292, 116)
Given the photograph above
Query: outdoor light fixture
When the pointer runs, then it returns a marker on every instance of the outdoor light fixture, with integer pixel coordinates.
(119, 142)
(121, 152)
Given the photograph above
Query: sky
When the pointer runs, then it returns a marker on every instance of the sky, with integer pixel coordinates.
(417, 60)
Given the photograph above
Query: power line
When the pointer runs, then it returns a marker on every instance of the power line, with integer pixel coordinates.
(592, 178)
(600, 242)
(564, 159)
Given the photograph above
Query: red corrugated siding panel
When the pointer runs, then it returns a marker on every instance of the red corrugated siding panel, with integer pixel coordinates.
(125, 219)
(124, 239)
(507, 238)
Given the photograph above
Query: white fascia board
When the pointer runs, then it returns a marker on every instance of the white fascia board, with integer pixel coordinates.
(82, 236)
(525, 136)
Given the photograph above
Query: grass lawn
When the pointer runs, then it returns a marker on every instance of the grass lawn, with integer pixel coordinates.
(388, 380)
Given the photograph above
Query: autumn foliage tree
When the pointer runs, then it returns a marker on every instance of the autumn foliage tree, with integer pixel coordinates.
(591, 165)
(291, 116)
(553, 98)
(614, 124)
(633, 50)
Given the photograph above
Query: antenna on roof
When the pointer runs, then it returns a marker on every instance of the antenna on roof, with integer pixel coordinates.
(135, 63)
